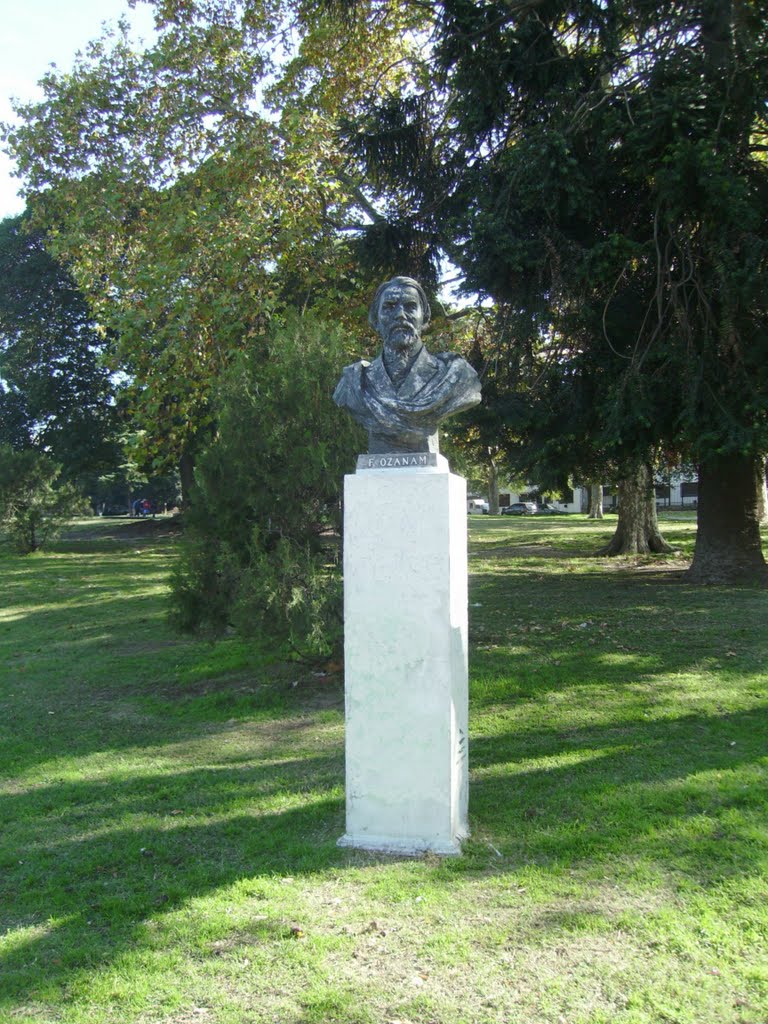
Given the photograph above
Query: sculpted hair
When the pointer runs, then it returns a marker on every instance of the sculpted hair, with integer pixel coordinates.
(400, 282)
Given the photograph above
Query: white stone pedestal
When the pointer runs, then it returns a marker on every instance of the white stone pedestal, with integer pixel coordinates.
(405, 620)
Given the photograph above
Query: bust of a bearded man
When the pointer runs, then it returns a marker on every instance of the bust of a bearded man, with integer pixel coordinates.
(404, 394)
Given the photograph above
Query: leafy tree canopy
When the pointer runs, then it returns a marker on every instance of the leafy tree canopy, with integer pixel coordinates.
(55, 393)
(196, 188)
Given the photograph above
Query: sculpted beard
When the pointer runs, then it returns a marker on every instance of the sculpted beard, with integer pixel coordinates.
(401, 337)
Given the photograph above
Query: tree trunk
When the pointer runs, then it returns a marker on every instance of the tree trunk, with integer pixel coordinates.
(186, 477)
(728, 547)
(762, 495)
(493, 489)
(637, 531)
(595, 501)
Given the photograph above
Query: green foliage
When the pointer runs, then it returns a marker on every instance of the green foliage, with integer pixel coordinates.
(33, 503)
(261, 546)
(599, 170)
(197, 189)
(56, 394)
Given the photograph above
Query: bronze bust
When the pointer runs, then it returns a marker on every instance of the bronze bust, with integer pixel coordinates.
(404, 394)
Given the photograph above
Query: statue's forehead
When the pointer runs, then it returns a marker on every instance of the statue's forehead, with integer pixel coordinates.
(400, 291)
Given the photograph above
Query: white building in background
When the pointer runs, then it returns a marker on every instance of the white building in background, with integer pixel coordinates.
(678, 490)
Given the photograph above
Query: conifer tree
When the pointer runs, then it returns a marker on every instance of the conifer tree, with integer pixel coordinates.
(598, 169)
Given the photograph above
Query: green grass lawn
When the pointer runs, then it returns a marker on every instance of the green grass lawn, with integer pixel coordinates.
(170, 807)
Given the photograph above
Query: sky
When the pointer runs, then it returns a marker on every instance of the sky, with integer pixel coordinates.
(36, 34)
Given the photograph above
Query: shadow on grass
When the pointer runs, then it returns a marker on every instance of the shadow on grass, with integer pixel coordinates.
(88, 663)
(681, 797)
(87, 893)
(618, 659)
(88, 580)
(650, 602)
(658, 792)
(154, 713)
(95, 862)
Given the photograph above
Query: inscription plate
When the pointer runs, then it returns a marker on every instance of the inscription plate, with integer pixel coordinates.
(397, 460)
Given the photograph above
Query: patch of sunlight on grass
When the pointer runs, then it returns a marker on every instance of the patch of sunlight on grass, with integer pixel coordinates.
(12, 614)
(70, 605)
(630, 661)
(240, 746)
(15, 940)
(525, 766)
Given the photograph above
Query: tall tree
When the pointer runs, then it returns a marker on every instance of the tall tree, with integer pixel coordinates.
(196, 188)
(56, 395)
(595, 500)
(637, 530)
(599, 168)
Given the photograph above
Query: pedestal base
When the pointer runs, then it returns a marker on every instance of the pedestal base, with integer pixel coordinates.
(400, 848)
(405, 617)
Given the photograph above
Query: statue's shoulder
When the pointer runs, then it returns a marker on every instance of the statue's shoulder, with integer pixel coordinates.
(456, 362)
(461, 379)
(354, 370)
(348, 388)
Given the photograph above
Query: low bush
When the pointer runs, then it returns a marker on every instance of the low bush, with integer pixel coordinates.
(33, 503)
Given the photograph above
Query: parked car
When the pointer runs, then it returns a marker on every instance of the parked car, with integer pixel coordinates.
(519, 508)
(551, 510)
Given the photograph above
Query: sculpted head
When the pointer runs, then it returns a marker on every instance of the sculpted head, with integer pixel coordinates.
(399, 312)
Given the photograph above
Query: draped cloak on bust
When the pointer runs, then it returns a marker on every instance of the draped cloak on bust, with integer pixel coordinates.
(406, 418)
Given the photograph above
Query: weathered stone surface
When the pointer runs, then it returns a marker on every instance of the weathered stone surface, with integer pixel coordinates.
(405, 660)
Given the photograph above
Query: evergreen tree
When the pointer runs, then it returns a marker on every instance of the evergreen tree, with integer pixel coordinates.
(599, 170)
(261, 547)
(34, 501)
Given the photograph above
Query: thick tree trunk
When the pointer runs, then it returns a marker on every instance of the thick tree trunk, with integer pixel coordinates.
(595, 501)
(186, 477)
(493, 489)
(637, 531)
(728, 547)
